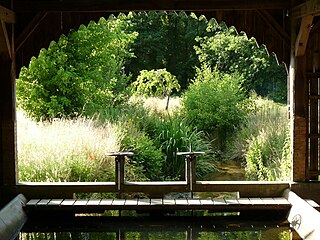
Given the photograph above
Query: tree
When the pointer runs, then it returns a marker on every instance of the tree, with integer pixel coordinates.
(79, 74)
(215, 101)
(166, 40)
(230, 52)
(158, 83)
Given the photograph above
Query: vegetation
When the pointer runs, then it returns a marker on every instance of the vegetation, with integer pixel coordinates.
(94, 76)
(263, 142)
(80, 74)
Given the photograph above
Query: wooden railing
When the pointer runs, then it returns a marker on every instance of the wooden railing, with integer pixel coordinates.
(153, 188)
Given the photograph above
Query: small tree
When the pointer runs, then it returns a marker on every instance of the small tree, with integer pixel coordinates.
(157, 83)
(215, 101)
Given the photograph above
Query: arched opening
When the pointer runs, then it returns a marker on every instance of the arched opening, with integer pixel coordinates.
(188, 20)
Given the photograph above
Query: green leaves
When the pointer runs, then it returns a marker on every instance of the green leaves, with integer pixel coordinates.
(214, 101)
(158, 83)
(79, 74)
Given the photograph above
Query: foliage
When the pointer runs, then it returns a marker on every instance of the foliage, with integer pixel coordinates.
(157, 83)
(166, 40)
(148, 158)
(263, 142)
(215, 101)
(173, 135)
(230, 52)
(79, 74)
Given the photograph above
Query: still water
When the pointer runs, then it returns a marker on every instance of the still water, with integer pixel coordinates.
(154, 228)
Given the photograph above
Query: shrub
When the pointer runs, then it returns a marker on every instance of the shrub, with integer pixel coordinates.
(214, 101)
(148, 158)
(172, 135)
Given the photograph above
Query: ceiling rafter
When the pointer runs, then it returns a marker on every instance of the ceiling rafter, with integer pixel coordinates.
(303, 35)
(7, 15)
(142, 5)
(270, 20)
(310, 7)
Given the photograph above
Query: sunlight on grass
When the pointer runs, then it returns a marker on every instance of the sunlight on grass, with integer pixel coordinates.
(65, 150)
(159, 105)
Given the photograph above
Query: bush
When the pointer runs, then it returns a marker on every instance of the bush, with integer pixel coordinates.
(148, 158)
(173, 135)
(215, 101)
(79, 74)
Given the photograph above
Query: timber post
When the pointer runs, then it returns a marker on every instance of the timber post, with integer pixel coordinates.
(300, 30)
(8, 123)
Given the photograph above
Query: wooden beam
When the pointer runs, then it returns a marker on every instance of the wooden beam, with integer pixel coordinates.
(142, 5)
(6, 36)
(270, 20)
(7, 15)
(310, 7)
(303, 35)
(29, 29)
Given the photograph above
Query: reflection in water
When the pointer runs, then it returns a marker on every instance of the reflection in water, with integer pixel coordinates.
(242, 235)
(155, 228)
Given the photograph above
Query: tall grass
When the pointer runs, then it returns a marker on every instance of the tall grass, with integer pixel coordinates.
(263, 142)
(65, 150)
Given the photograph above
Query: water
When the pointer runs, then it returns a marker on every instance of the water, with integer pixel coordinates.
(155, 228)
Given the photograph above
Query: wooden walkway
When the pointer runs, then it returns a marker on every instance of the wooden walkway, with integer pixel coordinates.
(145, 204)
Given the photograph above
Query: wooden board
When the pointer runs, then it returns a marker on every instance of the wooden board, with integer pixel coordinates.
(146, 204)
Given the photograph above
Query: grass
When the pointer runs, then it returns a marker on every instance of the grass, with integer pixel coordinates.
(65, 150)
(262, 143)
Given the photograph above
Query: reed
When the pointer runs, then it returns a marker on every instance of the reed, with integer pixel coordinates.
(65, 150)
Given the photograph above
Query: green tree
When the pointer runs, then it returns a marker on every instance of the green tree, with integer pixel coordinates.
(79, 74)
(159, 83)
(166, 40)
(230, 52)
(215, 101)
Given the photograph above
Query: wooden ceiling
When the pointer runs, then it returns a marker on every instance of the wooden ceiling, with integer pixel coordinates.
(267, 20)
(142, 5)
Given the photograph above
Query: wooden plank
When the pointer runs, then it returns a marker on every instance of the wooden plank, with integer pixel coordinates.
(118, 202)
(33, 202)
(106, 202)
(7, 15)
(231, 201)
(310, 7)
(124, 6)
(182, 202)
(169, 202)
(219, 201)
(93, 202)
(131, 202)
(55, 202)
(193, 201)
(303, 35)
(256, 201)
(143, 202)
(80, 202)
(68, 202)
(244, 201)
(269, 201)
(156, 201)
(281, 201)
(43, 202)
(206, 202)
